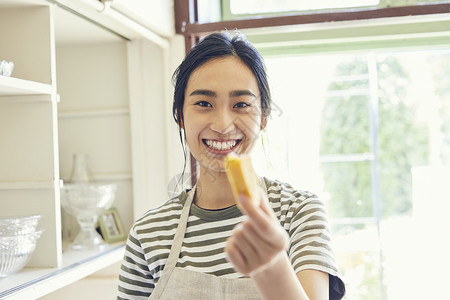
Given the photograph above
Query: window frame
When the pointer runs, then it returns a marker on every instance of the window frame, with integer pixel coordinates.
(228, 15)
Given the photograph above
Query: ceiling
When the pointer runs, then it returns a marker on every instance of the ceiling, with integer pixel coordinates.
(74, 29)
(70, 28)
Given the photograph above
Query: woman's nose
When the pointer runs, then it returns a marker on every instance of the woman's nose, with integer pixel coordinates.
(223, 122)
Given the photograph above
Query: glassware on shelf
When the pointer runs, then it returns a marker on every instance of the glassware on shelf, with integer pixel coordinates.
(6, 68)
(80, 170)
(18, 237)
(16, 251)
(86, 200)
(19, 225)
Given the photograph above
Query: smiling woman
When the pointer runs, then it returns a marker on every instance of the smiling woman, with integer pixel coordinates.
(221, 115)
(199, 245)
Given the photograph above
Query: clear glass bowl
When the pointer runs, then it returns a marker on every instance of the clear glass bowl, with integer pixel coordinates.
(6, 68)
(16, 251)
(19, 225)
(87, 198)
(86, 201)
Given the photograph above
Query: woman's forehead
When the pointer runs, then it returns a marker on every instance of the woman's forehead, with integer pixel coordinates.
(226, 72)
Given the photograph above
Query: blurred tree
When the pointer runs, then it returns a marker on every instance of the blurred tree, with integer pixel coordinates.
(440, 64)
(402, 141)
(345, 130)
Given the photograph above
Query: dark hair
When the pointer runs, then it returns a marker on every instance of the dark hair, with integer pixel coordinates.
(218, 45)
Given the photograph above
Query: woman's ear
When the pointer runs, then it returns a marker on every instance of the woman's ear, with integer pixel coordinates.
(263, 122)
(180, 120)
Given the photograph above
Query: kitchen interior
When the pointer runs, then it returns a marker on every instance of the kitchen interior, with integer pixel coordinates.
(85, 113)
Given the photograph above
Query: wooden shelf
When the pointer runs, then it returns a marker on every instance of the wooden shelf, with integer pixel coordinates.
(10, 86)
(32, 283)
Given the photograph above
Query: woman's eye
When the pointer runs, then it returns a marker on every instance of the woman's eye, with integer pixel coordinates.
(203, 104)
(241, 105)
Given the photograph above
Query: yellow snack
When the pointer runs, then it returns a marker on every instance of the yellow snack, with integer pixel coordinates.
(242, 177)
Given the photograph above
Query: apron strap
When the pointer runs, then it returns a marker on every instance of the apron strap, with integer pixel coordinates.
(175, 249)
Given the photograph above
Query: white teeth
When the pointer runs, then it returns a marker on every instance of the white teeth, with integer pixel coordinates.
(221, 145)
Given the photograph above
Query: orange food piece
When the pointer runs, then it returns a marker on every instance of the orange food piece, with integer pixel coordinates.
(242, 177)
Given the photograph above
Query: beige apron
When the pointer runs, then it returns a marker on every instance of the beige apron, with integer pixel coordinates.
(177, 283)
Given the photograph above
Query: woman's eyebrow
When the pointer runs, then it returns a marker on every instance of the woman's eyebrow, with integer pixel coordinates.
(203, 93)
(210, 93)
(242, 93)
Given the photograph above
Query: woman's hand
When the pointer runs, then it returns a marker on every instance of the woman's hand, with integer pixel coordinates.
(259, 241)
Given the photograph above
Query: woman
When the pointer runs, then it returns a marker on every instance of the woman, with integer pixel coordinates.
(199, 245)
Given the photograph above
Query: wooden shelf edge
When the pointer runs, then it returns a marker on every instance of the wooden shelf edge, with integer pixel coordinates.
(35, 283)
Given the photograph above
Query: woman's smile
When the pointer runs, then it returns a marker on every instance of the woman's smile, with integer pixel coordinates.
(222, 111)
(221, 146)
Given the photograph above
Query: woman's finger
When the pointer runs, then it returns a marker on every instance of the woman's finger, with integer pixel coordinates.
(264, 249)
(265, 226)
(234, 255)
(246, 247)
(265, 205)
(249, 207)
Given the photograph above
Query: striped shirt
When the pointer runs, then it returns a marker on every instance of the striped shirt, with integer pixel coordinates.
(300, 213)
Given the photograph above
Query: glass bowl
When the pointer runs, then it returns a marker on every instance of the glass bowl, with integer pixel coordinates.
(87, 198)
(16, 251)
(6, 68)
(19, 225)
(86, 201)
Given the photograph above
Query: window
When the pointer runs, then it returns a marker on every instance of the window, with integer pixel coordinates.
(270, 6)
(364, 130)
(361, 116)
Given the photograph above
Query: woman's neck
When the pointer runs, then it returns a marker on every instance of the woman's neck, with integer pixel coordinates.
(213, 191)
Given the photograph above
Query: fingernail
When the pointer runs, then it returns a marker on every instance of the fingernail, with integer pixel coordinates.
(238, 227)
(242, 202)
(243, 199)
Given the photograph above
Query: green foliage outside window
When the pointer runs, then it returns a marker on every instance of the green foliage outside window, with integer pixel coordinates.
(404, 137)
(402, 141)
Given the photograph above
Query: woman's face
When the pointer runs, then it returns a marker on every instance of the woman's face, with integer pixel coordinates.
(222, 111)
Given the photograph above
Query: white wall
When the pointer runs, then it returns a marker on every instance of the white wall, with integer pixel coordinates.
(157, 15)
(94, 116)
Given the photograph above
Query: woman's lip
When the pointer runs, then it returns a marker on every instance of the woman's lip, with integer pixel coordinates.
(218, 152)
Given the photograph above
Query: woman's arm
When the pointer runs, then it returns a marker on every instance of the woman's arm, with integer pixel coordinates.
(257, 249)
(312, 282)
(279, 281)
(315, 283)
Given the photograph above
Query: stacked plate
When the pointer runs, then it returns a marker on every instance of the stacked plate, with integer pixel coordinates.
(18, 237)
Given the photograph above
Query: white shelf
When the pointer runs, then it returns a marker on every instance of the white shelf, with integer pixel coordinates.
(10, 86)
(93, 113)
(28, 185)
(32, 283)
(33, 115)
(107, 177)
